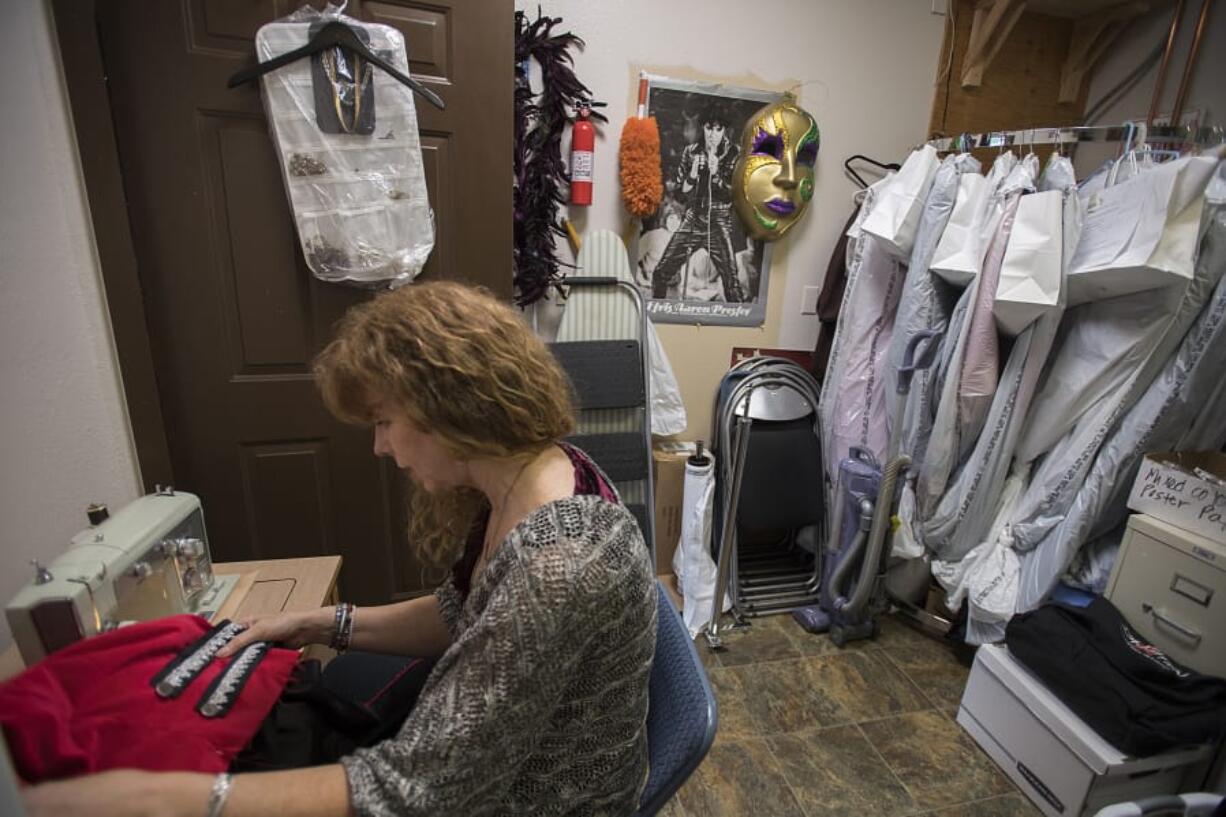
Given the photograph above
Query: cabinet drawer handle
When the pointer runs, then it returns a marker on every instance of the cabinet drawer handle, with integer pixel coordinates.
(1188, 633)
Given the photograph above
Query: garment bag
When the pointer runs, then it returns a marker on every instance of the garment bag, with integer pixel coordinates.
(1188, 385)
(852, 407)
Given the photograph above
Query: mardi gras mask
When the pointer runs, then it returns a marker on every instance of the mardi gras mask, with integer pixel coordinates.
(773, 179)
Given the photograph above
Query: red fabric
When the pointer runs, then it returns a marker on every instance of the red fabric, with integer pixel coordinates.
(90, 706)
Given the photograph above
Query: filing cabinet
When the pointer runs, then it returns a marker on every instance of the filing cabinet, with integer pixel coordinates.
(1170, 584)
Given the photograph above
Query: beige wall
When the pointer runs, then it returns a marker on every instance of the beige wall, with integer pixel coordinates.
(64, 435)
(867, 68)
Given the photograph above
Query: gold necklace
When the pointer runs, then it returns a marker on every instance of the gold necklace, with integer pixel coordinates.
(361, 80)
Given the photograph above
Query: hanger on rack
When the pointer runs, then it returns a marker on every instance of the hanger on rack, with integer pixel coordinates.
(333, 35)
(861, 158)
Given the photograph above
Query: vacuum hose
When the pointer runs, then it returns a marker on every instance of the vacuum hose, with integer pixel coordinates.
(872, 558)
(843, 569)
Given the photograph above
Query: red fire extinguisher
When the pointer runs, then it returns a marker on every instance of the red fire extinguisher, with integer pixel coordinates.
(582, 146)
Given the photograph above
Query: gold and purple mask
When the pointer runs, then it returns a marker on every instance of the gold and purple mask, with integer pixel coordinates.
(773, 179)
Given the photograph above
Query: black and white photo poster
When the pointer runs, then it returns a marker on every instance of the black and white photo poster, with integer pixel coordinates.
(695, 263)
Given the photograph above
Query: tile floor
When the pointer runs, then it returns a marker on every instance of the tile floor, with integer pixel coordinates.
(807, 729)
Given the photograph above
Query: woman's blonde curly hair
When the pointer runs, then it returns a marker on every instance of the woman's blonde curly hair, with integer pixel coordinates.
(461, 365)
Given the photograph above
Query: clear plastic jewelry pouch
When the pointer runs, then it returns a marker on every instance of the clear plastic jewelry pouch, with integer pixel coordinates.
(346, 135)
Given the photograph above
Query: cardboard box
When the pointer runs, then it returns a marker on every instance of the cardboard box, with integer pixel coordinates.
(1168, 488)
(670, 586)
(669, 465)
(1056, 760)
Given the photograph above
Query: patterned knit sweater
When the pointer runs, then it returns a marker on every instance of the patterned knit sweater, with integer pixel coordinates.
(539, 705)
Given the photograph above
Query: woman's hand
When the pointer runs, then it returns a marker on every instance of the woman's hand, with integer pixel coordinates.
(287, 629)
(121, 793)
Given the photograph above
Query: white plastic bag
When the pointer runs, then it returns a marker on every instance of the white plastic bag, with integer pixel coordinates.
(1142, 233)
(1029, 282)
(667, 409)
(359, 199)
(692, 562)
(1058, 175)
(896, 216)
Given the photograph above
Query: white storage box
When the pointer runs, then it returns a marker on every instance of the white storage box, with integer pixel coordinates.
(1058, 761)
(1169, 487)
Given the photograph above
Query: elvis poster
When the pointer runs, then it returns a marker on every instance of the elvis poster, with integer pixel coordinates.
(695, 263)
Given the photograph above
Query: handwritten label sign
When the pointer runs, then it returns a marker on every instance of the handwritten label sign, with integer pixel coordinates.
(1180, 498)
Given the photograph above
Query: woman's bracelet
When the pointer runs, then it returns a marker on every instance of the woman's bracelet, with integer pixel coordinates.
(218, 794)
(342, 628)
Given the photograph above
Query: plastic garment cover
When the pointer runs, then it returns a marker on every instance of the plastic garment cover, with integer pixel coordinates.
(1132, 336)
(692, 562)
(925, 409)
(359, 194)
(980, 368)
(962, 517)
(989, 571)
(1091, 566)
(1058, 175)
(852, 408)
(970, 377)
(1188, 385)
(925, 302)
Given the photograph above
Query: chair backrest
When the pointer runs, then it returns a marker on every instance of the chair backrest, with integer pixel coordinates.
(681, 715)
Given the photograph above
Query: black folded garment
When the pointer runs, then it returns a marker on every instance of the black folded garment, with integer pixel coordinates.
(1125, 688)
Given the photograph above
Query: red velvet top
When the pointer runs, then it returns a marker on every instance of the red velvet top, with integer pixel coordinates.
(90, 706)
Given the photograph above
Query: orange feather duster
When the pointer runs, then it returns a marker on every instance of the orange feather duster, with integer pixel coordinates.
(639, 159)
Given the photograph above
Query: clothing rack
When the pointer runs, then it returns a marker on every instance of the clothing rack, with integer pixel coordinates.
(1129, 134)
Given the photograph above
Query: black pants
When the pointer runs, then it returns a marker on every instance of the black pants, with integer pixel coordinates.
(359, 699)
(700, 231)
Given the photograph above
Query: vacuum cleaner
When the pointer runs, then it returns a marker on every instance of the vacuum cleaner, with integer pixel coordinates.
(853, 592)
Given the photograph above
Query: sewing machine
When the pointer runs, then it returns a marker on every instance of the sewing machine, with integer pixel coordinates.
(151, 559)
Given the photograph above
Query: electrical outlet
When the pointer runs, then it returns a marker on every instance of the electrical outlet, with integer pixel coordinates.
(808, 300)
(940, 7)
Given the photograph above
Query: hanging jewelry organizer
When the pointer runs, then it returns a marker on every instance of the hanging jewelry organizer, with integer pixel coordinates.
(346, 134)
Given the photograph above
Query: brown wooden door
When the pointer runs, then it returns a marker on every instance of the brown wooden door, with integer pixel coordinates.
(234, 315)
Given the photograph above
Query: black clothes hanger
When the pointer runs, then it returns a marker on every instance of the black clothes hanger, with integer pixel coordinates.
(861, 158)
(331, 35)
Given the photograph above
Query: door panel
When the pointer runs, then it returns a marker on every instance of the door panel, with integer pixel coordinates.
(426, 32)
(234, 315)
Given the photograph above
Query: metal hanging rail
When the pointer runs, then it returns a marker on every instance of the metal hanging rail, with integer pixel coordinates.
(1076, 135)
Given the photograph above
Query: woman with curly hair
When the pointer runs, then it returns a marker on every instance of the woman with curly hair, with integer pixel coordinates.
(542, 635)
